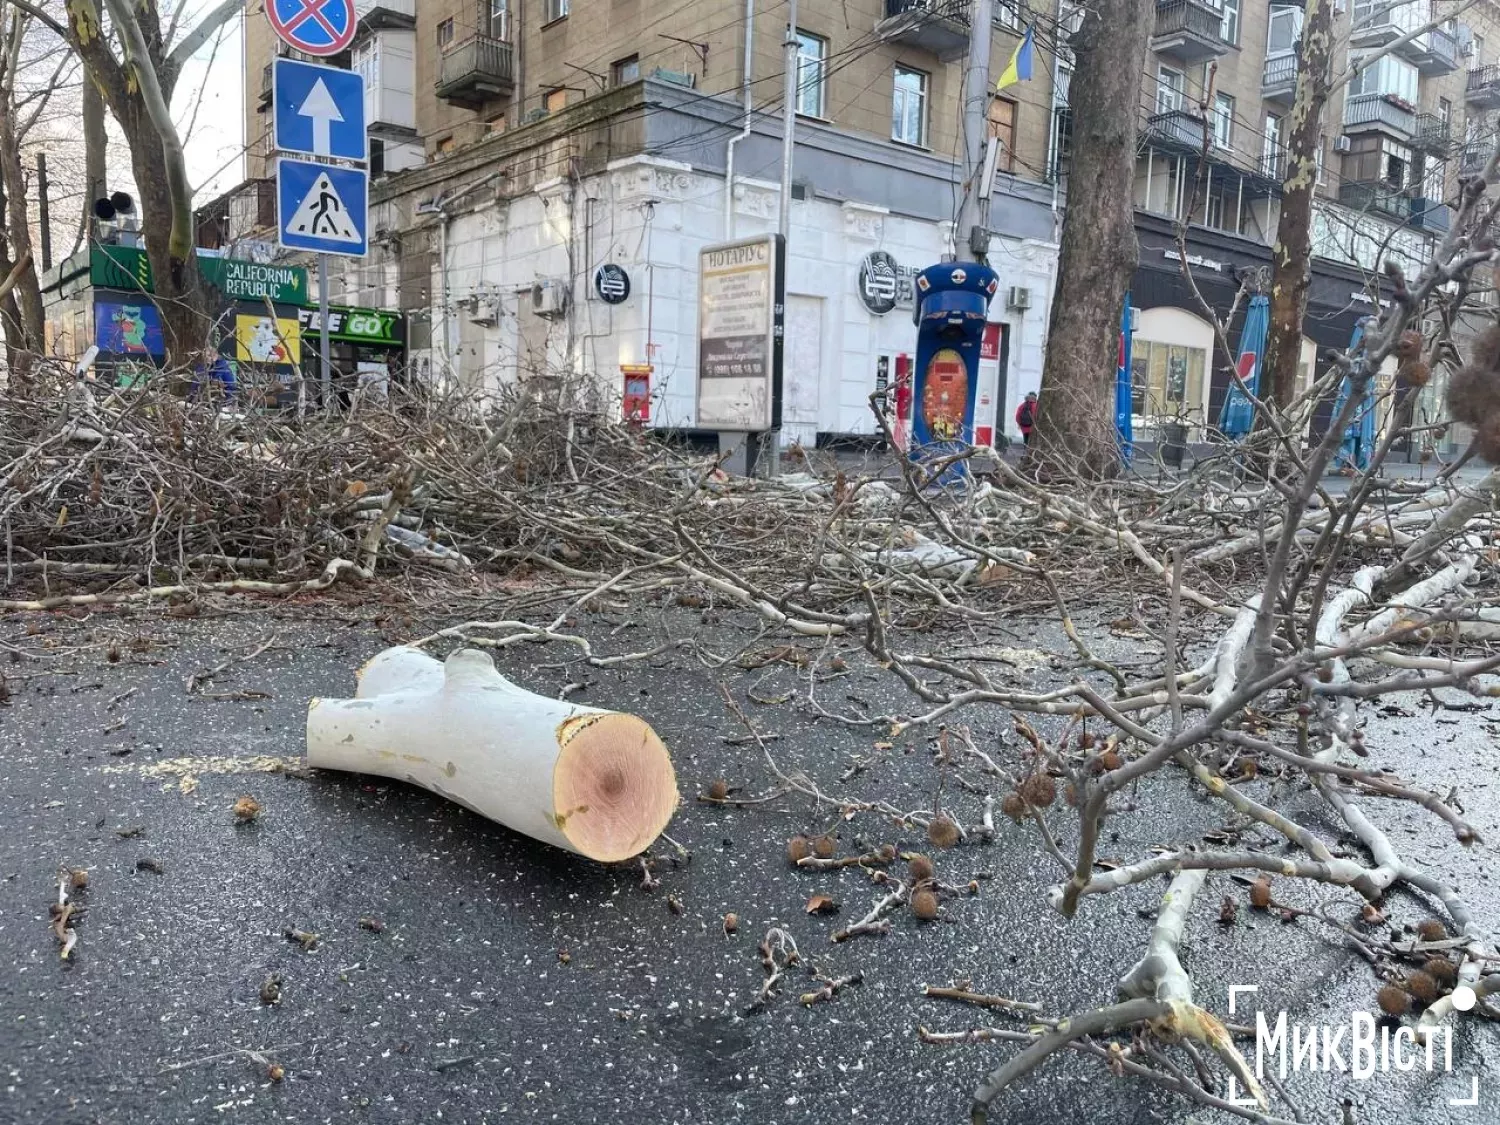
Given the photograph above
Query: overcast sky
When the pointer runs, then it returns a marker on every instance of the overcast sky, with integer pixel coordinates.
(213, 82)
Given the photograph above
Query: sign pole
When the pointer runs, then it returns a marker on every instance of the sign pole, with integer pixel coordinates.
(325, 363)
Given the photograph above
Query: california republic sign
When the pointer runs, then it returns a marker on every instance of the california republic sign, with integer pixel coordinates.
(884, 283)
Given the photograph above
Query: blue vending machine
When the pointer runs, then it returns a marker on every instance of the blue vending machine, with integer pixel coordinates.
(953, 305)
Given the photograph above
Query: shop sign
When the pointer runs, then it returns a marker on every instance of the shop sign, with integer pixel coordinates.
(741, 297)
(1194, 260)
(372, 327)
(127, 267)
(611, 283)
(885, 284)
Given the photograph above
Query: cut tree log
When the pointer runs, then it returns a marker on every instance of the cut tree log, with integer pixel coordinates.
(598, 783)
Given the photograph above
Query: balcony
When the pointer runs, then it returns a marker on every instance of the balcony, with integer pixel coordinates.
(476, 70)
(940, 27)
(377, 14)
(1483, 90)
(1188, 30)
(1433, 135)
(1377, 197)
(1430, 215)
(1472, 159)
(1378, 113)
(1178, 129)
(1435, 52)
(1278, 82)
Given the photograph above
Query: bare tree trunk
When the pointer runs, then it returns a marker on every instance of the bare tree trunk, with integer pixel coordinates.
(95, 153)
(1291, 260)
(138, 92)
(27, 344)
(1075, 429)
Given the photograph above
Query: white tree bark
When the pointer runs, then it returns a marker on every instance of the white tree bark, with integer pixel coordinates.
(598, 783)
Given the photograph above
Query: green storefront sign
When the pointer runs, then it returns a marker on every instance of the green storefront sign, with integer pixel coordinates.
(370, 327)
(126, 267)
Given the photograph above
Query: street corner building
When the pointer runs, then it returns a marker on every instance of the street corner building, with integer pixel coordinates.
(547, 172)
(1398, 141)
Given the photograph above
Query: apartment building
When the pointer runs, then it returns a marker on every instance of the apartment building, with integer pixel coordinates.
(522, 145)
(1399, 137)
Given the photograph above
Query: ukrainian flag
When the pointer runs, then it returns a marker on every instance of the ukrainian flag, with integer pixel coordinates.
(1019, 69)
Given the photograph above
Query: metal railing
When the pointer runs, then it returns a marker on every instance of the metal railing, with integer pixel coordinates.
(1280, 71)
(1377, 109)
(941, 9)
(1376, 195)
(1432, 133)
(478, 61)
(1177, 127)
(1484, 81)
(1176, 17)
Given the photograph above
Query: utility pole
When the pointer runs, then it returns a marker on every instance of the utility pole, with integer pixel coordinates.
(769, 459)
(44, 210)
(972, 235)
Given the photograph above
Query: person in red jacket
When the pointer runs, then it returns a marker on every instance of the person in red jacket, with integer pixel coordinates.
(1026, 417)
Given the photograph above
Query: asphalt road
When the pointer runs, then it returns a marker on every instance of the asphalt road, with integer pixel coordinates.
(513, 982)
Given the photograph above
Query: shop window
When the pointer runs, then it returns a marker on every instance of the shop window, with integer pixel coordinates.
(1167, 381)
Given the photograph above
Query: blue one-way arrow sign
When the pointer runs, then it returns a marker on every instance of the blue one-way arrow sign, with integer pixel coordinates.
(320, 110)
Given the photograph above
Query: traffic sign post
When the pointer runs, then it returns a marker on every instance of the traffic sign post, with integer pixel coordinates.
(320, 112)
(315, 27)
(323, 208)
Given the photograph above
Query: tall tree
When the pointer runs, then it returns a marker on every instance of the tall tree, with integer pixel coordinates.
(1075, 428)
(1291, 258)
(135, 67)
(29, 342)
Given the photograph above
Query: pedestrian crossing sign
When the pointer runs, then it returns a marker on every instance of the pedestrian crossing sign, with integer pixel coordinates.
(323, 208)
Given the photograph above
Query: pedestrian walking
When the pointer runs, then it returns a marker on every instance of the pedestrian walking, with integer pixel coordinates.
(1026, 417)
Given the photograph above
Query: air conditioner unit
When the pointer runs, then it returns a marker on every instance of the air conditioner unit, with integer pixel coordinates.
(1018, 298)
(484, 311)
(1465, 36)
(1341, 143)
(549, 299)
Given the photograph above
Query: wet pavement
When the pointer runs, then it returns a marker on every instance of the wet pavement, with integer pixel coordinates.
(510, 981)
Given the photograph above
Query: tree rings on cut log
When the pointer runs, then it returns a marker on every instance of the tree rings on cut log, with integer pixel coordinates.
(613, 785)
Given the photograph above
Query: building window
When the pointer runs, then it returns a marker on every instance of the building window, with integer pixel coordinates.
(1169, 85)
(444, 145)
(1319, 160)
(1270, 154)
(626, 71)
(1007, 16)
(1445, 113)
(1229, 22)
(812, 70)
(555, 10)
(909, 107)
(1388, 77)
(1223, 121)
(1284, 31)
(445, 34)
(1003, 125)
(1166, 380)
(554, 100)
(1478, 51)
(499, 19)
